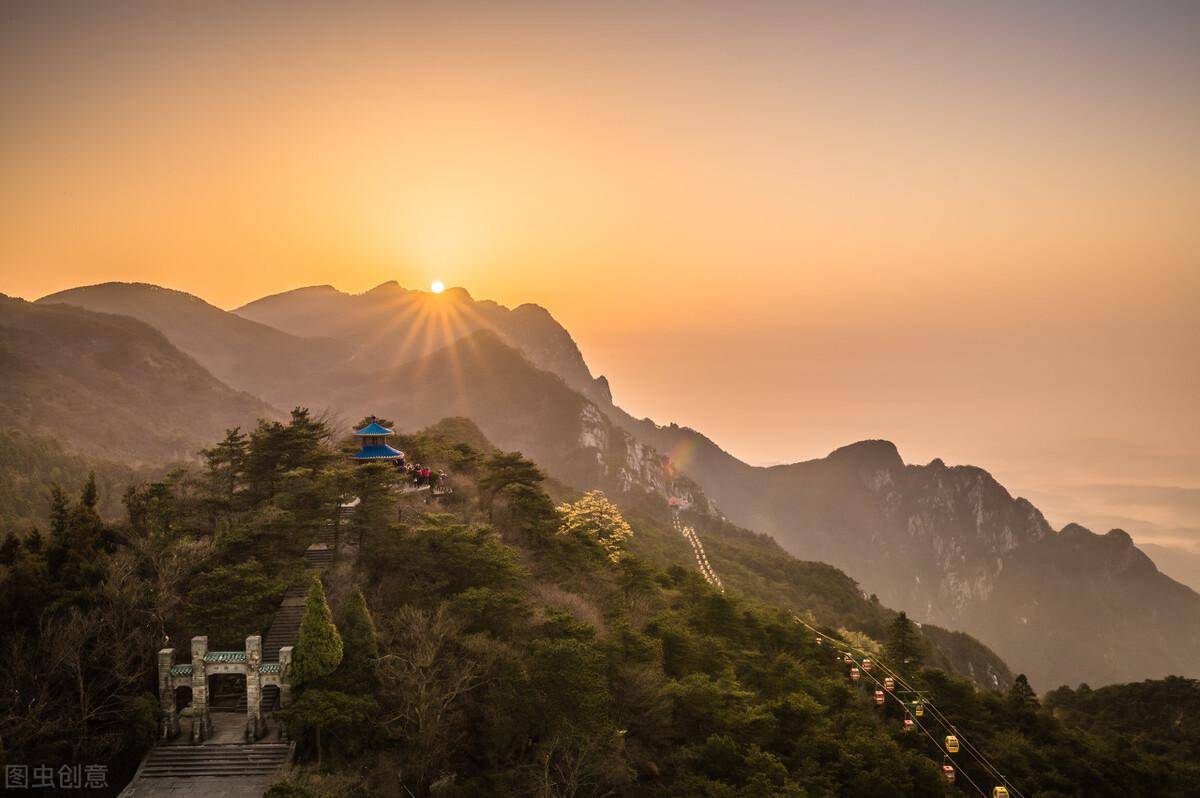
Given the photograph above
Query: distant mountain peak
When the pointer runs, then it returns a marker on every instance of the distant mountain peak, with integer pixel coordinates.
(458, 293)
(874, 453)
(117, 286)
(387, 287)
(1120, 535)
(389, 326)
(1075, 530)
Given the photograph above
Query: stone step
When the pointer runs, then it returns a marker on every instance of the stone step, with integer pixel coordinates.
(218, 750)
(214, 751)
(215, 760)
(270, 698)
(318, 558)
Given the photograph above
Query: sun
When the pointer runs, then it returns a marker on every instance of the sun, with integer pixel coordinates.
(437, 287)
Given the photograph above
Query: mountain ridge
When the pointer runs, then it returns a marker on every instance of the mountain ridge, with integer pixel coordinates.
(938, 541)
(110, 385)
(442, 318)
(239, 352)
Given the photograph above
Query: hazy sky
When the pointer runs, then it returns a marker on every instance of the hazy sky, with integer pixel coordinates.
(971, 228)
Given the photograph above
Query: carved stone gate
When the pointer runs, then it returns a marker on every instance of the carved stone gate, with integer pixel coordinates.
(205, 663)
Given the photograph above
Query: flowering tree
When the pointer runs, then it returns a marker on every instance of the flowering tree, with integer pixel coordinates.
(595, 517)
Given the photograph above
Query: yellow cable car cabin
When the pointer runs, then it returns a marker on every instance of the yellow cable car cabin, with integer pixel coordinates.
(919, 710)
(855, 675)
(889, 684)
(948, 772)
(952, 744)
(878, 696)
(999, 792)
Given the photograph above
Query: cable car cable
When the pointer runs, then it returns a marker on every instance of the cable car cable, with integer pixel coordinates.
(937, 713)
(992, 770)
(940, 716)
(958, 769)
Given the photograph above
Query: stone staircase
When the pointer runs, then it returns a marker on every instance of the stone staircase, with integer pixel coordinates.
(174, 761)
(319, 556)
(285, 627)
(233, 770)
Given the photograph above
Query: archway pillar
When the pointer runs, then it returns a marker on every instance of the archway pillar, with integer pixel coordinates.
(254, 719)
(169, 727)
(201, 721)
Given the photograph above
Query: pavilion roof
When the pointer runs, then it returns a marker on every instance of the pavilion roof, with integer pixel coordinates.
(374, 428)
(378, 452)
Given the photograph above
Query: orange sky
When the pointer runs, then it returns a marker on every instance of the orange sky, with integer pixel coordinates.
(970, 228)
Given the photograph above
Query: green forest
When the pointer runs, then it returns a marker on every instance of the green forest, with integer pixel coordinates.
(516, 638)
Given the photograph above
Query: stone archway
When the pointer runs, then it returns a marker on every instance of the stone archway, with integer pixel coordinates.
(221, 681)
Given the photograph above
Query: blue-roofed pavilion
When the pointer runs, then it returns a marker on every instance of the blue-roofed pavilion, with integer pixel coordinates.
(374, 443)
(374, 429)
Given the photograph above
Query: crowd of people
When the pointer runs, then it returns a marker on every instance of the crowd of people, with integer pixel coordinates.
(419, 475)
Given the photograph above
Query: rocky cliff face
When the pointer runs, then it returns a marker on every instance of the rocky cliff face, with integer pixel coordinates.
(1080, 607)
(951, 546)
(930, 539)
(630, 466)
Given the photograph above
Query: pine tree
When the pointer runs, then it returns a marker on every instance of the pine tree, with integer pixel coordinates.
(226, 463)
(89, 496)
(904, 647)
(305, 441)
(88, 532)
(503, 470)
(319, 648)
(10, 549)
(359, 669)
(532, 518)
(59, 512)
(34, 541)
(326, 711)
(1021, 698)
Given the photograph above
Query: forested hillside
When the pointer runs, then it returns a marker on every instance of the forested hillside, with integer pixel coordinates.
(495, 643)
(109, 386)
(30, 467)
(1160, 717)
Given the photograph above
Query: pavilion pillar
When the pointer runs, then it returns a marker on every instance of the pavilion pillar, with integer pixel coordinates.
(166, 695)
(201, 721)
(254, 720)
(285, 683)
